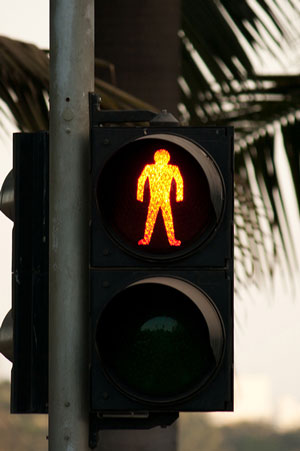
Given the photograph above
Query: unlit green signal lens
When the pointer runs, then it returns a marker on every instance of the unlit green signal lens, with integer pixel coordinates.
(156, 343)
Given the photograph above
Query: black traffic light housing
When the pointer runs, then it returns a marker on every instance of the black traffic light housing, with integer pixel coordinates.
(161, 314)
(24, 199)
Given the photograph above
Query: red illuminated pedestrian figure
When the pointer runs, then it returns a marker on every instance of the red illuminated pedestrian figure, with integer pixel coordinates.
(160, 176)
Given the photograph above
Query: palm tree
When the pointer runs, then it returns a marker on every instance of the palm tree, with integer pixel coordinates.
(222, 45)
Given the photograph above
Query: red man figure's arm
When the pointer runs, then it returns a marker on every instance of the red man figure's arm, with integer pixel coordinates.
(179, 184)
(141, 184)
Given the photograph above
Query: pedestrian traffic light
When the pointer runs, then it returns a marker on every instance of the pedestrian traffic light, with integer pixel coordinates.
(161, 269)
(24, 332)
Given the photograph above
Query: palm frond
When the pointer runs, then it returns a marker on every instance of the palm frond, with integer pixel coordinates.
(24, 82)
(24, 85)
(220, 85)
(291, 137)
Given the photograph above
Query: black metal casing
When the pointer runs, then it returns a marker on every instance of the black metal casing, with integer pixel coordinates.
(29, 382)
(208, 266)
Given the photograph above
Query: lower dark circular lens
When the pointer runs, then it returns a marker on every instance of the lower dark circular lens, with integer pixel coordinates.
(156, 343)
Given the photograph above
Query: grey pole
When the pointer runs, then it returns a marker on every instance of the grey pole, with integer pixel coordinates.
(71, 78)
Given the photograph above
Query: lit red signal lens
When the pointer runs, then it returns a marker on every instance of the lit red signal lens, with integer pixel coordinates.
(160, 195)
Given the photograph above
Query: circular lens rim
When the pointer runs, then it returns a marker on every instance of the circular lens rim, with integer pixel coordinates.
(217, 198)
(216, 330)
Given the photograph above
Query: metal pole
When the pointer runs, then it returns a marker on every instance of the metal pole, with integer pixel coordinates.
(71, 78)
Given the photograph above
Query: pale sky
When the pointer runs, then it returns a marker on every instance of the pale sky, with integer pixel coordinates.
(267, 333)
(26, 20)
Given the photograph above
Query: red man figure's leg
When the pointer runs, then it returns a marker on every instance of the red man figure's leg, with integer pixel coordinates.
(150, 222)
(168, 220)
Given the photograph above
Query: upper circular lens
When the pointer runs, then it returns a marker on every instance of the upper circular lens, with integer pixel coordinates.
(159, 196)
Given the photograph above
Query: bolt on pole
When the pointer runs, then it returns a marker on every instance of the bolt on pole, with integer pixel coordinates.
(71, 79)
